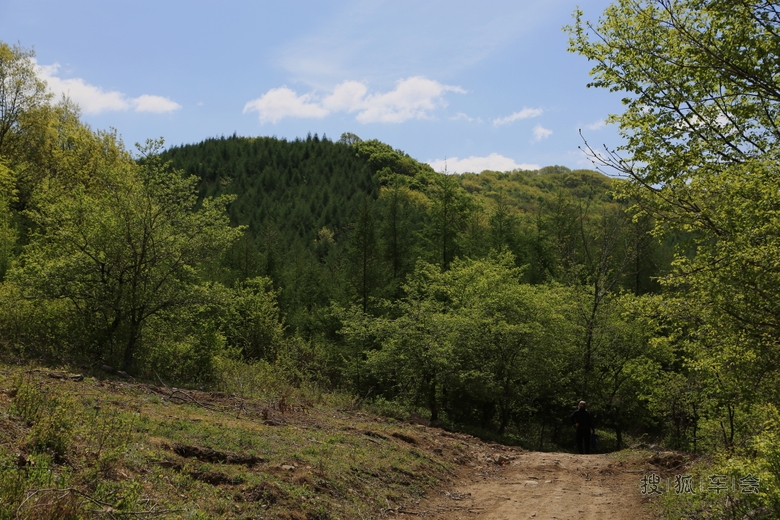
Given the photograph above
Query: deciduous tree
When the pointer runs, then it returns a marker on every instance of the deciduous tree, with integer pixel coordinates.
(122, 250)
(21, 92)
(702, 148)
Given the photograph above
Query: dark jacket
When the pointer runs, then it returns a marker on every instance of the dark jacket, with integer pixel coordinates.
(582, 418)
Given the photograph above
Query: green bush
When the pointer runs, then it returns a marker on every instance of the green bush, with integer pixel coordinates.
(36, 328)
(750, 478)
(181, 357)
(33, 488)
(259, 379)
(50, 417)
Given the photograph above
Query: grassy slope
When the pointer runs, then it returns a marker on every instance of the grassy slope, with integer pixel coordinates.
(118, 449)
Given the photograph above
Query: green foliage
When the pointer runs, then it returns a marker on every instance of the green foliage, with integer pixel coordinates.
(477, 346)
(347, 221)
(183, 352)
(21, 93)
(751, 474)
(386, 161)
(449, 214)
(699, 86)
(8, 233)
(627, 362)
(33, 491)
(698, 82)
(349, 139)
(123, 251)
(250, 319)
(401, 218)
(258, 379)
(49, 416)
(35, 328)
(767, 446)
(507, 358)
(298, 187)
(108, 435)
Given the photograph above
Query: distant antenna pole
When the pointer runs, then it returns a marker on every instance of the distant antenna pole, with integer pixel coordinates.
(445, 165)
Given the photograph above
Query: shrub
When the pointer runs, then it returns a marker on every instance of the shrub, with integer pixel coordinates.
(50, 417)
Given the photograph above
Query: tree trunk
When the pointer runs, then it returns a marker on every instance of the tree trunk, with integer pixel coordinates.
(130, 347)
(432, 403)
(505, 416)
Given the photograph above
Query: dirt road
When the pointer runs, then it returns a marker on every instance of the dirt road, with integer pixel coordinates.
(544, 486)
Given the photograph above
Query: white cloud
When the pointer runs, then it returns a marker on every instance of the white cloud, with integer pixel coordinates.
(465, 117)
(596, 125)
(412, 98)
(346, 96)
(90, 98)
(541, 132)
(94, 100)
(279, 103)
(525, 113)
(494, 162)
(154, 104)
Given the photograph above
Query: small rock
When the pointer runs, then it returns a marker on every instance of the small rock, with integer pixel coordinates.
(502, 460)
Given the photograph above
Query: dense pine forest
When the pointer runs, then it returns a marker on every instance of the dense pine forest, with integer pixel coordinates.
(484, 302)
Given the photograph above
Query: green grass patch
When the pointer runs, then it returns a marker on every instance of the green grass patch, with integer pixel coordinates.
(83, 447)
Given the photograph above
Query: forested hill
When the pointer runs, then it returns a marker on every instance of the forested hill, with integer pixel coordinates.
(306, 184)
(299, 186)
(347, 221)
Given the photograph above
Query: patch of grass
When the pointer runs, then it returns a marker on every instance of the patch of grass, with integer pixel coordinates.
(48, 414)
(102, 447)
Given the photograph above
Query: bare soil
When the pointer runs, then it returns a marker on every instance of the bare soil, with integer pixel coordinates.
(537, 485)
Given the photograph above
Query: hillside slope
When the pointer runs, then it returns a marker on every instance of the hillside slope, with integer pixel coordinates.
(74, 446)
(108, 447)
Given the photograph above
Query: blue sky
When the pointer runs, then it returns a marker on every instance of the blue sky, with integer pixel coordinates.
(484, 84)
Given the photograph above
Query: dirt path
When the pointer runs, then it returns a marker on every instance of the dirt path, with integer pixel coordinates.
(544, 486)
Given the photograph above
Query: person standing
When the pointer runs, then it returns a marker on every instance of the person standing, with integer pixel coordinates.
(583, 422)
